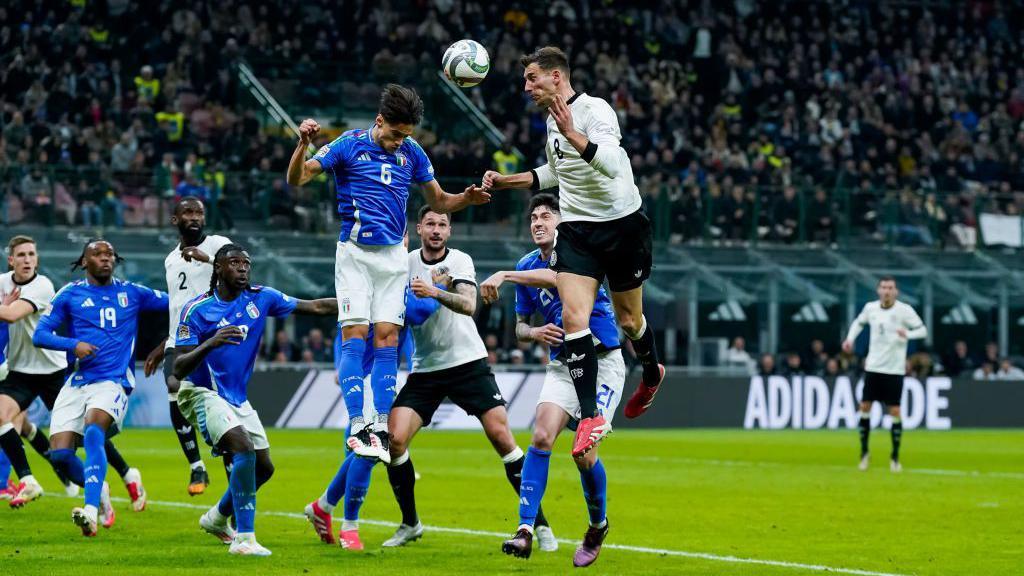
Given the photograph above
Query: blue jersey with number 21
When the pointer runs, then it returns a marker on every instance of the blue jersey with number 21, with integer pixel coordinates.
(373, 185)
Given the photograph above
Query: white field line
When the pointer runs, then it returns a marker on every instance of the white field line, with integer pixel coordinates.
(496, 535)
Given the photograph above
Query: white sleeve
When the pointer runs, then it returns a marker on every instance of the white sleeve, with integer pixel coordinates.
(463, 270)
(858, 324)
(38, 293)
(602, 132)
(916, 330)
(544, 176)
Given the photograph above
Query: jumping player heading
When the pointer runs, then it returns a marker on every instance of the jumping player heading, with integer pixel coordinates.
(603, 233)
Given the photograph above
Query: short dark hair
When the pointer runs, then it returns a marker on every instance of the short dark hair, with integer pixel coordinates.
(547, 58)
(425, 209)
(886, 278)
(400, 105)
(186, 200)
(543, 199)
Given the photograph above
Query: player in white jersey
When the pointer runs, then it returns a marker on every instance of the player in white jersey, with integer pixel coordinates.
(449, 361)
(604, 233)
(36, 373)
(189, 267)
(892, 324)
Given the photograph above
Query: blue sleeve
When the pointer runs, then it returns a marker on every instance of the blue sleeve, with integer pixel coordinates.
(45, 335)
(418, 310)
(525, 306)
(151, 300)
(333, 156)
(189, 329)
(279, 304)
(422, 169)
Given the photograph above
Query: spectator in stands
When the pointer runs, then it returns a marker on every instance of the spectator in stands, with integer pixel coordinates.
(283, 348)
(1007, 371)
(36, 191)
(959, 361)
(816, 357)
(820, 218)
(766, 365)
(987, 371)
(794, 365)
(832, 369)
(122, 153)
(991, 354)
(786, 216)
(738, 356)
(516, 357)
(89, 199)
(320, 348)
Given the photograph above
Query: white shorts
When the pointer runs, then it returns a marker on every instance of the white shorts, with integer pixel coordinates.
(73, 403)
(611, 377)
(370, 283)
(3, 370)
(214, 416)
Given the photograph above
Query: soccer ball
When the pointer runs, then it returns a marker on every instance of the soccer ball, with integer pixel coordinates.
(466, 63)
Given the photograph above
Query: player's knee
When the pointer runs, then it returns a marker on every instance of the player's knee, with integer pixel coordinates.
(631, 323)
(264, 470)
(397, 444)
(385, 338)
(543, 439)
(574, 320)
(236, 441)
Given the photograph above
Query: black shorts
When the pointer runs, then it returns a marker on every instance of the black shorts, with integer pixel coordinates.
(619, 249)
(884, 388)
(25, 388)
(469, 386)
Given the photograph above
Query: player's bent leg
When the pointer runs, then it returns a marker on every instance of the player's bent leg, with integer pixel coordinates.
(629, 312)
(864, 431)
(10, 442)
(403, 423)
(595, 489)
(242, 488)
(897, 438)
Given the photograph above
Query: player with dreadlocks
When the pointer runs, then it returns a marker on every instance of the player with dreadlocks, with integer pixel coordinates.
(102, 314)
(217, 341)
(36, 372)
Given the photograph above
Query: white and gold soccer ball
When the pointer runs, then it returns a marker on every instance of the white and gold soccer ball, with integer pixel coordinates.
(466, 63)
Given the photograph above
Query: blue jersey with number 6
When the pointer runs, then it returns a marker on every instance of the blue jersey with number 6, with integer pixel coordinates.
(373, 185)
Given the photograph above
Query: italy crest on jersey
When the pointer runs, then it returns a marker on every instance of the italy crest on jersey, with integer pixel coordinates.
(252, 310)
(402, 161)
(122, 299)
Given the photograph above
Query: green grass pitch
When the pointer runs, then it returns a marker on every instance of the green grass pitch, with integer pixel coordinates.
(680, 502)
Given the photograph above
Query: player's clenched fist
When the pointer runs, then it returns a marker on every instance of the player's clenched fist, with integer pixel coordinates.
(84, 350)
(308, 130)
(489, 288)
(423, 289)
(491, 180)
(227, 335)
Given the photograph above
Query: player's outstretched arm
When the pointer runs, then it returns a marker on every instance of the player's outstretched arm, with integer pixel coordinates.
(444, 203)
(300, 170)
(319, 307)
(538, 278)
(189, 357)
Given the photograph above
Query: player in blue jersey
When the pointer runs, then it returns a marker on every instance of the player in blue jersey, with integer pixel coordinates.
(558, 405)
(7, 490)
(373, 169)
(102, 315)
(218, 339)
(352, 480)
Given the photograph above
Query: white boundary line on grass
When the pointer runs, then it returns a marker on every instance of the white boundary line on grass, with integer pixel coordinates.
(638, 549)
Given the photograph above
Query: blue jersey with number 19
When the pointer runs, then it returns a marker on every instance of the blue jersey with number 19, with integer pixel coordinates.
(548, 304)
(227, 368)
(373, 185)
(106, 317)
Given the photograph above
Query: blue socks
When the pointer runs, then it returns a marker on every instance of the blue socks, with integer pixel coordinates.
(595, 491)
(95, 464)
(384, 378)
(534, 481)
(68, 463)
(5, 469)
(356, 487)
(350, 376)
(243, 491)
(336, 489)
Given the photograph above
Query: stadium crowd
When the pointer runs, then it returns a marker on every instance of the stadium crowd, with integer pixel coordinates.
(817, 360)
(748, 119)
